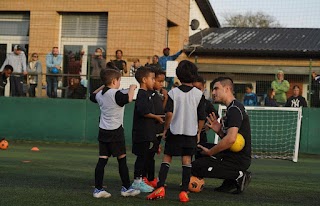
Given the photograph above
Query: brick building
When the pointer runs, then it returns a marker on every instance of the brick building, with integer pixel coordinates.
(139, 28)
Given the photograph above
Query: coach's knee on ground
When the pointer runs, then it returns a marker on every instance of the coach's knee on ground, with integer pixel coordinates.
(196, 169)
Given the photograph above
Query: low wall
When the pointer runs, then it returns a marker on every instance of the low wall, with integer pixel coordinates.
(68, 120)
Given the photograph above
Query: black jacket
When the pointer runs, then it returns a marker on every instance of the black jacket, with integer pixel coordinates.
(15, 85)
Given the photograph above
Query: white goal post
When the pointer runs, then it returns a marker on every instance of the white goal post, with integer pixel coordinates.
(275, 131)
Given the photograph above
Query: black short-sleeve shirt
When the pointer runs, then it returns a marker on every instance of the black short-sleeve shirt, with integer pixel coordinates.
(236, 116)
(158, 108)
(143, 128)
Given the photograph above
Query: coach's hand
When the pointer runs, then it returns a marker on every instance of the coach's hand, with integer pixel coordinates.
(213, 122)
(205, 151)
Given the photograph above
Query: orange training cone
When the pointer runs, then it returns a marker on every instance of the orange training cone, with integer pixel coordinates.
(36, 149)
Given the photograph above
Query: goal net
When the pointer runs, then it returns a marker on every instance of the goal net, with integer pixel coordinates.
(275, 131)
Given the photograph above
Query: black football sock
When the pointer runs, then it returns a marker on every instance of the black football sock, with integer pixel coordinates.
(99, 172)
(124, 172)
(186, 173)
(139, 167)
(151, 166)
(164, 169)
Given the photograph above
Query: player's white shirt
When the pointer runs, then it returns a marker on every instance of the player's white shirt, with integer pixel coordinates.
(111, 113)
(185, 116)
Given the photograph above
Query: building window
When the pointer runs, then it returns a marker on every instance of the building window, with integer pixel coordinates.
(14, 24)
(90, 25)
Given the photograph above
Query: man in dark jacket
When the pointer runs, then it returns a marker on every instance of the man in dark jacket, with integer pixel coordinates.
(9, 84)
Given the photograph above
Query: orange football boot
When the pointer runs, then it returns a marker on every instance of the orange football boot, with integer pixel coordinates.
(154, 183)
(183, 196)
(157, 194)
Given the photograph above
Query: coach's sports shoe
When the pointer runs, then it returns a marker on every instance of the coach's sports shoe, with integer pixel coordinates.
(228, 186)
(129, 192)
(142, 186)
(157, 194)
(183, 196)
(243, 182)
(100, 193)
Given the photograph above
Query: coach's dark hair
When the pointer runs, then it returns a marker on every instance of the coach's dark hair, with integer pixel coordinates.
(8, 67)
(142, 72)
(158, 71)
(107, 75)
(200, 79)
(186, 71)
(225, 81)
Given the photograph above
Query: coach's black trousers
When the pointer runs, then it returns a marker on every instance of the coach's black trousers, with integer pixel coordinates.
(214, 167)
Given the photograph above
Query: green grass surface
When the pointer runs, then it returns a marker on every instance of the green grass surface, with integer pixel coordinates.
(63, 174)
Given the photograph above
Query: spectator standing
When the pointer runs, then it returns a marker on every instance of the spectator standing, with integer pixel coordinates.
(9, 84)
(269, 100)
(250, 98)
(315, 88)
(74, 67)
(34, 69)
(53, 63)
(17, 59)
(163, 62)
(280, 86)
(136, 65)
(155, 62)
(118, 62)
(296, 100)
(97, 64)
(76, 90)
(125, 71)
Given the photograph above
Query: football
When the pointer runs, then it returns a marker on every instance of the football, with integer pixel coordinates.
(4, 144)
(55, 70)
(238, 144)
(196, 184)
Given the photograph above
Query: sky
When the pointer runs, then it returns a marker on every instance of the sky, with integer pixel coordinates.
(289, 13)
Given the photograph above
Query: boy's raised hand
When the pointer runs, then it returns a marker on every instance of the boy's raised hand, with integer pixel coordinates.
(133, 87)
(164, 92)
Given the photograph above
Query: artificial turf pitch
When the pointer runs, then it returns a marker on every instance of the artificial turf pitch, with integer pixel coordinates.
(63, 174)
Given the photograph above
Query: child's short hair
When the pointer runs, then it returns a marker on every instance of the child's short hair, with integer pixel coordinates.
(158, 72)
(142, 72)
(187, 71)
(107, 75)
(8, 67)
(200, 79)
(111, 65)
(249, 86)
(269, 92)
